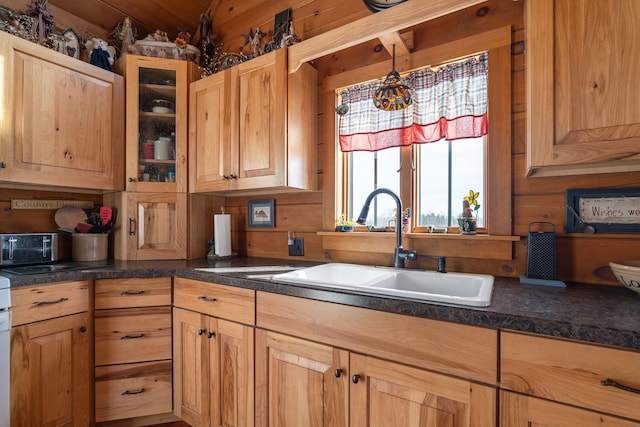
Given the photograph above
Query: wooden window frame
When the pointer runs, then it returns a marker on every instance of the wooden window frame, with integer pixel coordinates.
(498, 192)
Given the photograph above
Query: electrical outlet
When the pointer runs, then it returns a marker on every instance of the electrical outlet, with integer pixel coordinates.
(297, 247)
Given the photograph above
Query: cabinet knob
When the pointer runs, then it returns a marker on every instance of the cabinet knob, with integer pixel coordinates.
(338, 373)
(83, 329)
(356, 378)
(201, 331)
(131, 179)
(3, 165)
(211, 334)
(232, 177)
(225, 178)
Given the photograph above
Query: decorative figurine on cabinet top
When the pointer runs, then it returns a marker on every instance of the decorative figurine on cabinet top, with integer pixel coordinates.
(71, 43)
(100, 53)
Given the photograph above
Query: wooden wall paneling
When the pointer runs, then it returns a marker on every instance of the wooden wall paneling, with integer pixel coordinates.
(518, 133)
(585, 258)
(536, 208)
(201, 208)
(300, 213)
(63, 19)
(309, 18)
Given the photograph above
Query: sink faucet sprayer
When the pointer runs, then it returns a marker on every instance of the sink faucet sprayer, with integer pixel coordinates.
(400, 254)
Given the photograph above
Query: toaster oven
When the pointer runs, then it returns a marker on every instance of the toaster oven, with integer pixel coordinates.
(28, 248)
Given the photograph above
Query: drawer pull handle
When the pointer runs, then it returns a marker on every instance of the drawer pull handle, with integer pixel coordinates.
(132, 293)
(129, 392)
(58, 301)
(205, 299)
(131, 337)
(611, 383)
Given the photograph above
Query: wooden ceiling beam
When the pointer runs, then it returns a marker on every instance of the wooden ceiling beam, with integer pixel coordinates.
(404, 15)
(392, 39)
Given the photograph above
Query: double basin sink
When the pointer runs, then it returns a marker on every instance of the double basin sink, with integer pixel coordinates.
(455, 288)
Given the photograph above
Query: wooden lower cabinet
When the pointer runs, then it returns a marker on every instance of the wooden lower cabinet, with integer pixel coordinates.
(518, 410)
(571, 373)
(133, 367)
(50, 372)
(50, 376)
(213, 370)
(386, 394)
(299, 382)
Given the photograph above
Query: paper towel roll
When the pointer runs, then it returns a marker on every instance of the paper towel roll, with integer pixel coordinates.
(222, 234)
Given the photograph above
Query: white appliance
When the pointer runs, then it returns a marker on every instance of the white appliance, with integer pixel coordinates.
(5, 341)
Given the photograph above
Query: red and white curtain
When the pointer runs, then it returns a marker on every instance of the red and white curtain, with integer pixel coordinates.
(449, 102)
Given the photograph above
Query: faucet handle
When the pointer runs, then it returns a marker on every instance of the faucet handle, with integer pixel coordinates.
(411, 255)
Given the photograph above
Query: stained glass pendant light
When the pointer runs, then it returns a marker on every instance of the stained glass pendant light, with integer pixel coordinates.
(393, 94)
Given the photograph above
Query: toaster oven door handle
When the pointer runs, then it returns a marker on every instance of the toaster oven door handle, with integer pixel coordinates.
(45, 240)
(12, 241)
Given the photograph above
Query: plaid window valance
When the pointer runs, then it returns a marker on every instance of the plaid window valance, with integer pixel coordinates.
(449, 102)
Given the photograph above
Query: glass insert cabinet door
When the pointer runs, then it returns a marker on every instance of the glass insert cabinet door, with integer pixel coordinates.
(156, 124)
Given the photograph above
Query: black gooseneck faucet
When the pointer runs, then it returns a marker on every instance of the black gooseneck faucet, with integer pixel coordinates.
(400, 253)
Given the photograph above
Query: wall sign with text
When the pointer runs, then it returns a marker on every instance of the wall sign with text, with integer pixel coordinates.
(603, 210)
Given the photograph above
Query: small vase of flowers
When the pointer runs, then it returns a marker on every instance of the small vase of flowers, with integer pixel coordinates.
(343, 224)
(466, 221)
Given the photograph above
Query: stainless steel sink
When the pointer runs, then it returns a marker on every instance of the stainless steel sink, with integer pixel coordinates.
(456, 288)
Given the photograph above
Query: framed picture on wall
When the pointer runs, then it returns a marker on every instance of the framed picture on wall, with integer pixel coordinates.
(262, 213)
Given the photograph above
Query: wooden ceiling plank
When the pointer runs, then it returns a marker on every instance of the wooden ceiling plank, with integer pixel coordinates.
(404, 15)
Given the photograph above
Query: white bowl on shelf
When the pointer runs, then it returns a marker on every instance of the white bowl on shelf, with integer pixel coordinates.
(162, 106)
(628, 273)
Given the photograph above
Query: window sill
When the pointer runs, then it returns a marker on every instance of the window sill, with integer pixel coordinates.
(479, 246)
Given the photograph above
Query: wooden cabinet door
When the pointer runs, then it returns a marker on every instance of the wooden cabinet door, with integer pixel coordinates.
(64, 123)
(582, 106)
(388, 394)
(156, 225)
(191, 385)
(212, 131)
(213, 370)
(517, 410)
(233, 402)
(262, 119)
(157, 107)
(50, 373)
(300, 383)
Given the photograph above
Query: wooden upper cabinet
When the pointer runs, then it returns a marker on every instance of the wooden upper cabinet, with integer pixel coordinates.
(254, 127)
(157, 121)
(583, 112)
(62, 120)
(210, 130)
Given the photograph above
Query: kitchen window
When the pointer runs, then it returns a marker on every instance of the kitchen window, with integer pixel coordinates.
(433, 176)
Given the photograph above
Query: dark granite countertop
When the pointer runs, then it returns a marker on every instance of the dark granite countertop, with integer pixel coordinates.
(608, 315)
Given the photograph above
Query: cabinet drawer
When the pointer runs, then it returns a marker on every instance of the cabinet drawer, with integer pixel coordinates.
(34, 303)
(571, 372)
(136, 390)
(227, 302)
(132, 292)
(132, 335)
